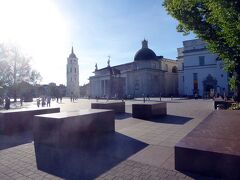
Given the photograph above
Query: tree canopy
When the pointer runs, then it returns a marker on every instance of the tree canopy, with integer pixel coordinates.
(16, 73)
(15, 67)
(218, 23)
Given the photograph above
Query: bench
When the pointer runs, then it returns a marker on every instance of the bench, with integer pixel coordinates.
(20, 120)
(149, 110)
(68, 128)
(213, 147)
(118, 107)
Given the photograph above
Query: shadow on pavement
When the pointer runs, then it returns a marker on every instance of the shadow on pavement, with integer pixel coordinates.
(94, 156)
(199, 176)
(172, 119)
(122, 116)
(7, 141)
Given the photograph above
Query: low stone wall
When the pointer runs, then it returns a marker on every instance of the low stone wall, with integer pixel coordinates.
(68, 128)
(149, 110)
(213, 147)
(118, 107)
(222, 104)
(20, 120)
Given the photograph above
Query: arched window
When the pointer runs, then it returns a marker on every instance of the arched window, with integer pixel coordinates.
(174, 69)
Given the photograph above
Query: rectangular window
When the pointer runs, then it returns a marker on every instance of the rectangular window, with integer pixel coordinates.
(201, 60)
(195, 76)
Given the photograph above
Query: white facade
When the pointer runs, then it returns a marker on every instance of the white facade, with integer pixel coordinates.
(72, 76)
(200, 71)
(147, 75)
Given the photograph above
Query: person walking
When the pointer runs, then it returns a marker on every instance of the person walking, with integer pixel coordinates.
(38, 102)
(43, 101)
(21, 101)
(7, 103)
(48, 101)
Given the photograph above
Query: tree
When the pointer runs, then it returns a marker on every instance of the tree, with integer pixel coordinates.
(5, 73)
(15, 68)
(218, 23)
(35, 77)
(53, 90)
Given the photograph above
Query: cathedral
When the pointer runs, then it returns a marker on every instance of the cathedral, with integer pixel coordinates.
(147, 75)
(72, 76)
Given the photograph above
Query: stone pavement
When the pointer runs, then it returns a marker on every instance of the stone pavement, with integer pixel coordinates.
(150, 145)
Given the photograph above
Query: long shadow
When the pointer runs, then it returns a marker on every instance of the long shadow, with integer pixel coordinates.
(200, 176)
(122, 116)
(171, 119)
(172, 101)
(7, 141)
(94, 156)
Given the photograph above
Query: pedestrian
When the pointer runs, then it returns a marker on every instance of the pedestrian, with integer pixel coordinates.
(21, 101)
(60, 99)
(195, 95)
(38, 102)
(43, 101)
(148, 97)
(48, 101)
(7, 103)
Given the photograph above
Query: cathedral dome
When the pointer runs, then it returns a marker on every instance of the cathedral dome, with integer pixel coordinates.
(145, 53)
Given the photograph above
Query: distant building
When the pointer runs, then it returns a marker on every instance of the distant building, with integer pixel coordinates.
(200, 71)
(84, 90)
(147, 75)
(72, 75)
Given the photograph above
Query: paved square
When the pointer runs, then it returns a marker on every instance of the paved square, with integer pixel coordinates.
(149, 145)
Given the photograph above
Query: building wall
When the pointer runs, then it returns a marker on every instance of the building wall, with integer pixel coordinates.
(145, 82)
(139, 79)
(171, 84)
(194, 66)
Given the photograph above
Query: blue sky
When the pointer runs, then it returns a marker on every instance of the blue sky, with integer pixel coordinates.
(117, 27)
(96, 29)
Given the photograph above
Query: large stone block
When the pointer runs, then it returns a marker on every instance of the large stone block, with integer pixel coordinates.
(149, 110)
(20, 120)
(68, 128)
(213, 147)
(118, 107)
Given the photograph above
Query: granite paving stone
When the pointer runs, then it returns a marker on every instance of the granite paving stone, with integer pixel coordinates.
(155, 161)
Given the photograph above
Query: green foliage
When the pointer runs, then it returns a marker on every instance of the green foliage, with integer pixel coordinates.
(235, 106)
(233, 82)
(218, 23)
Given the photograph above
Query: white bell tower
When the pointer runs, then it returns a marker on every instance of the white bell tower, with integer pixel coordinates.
(72, 76)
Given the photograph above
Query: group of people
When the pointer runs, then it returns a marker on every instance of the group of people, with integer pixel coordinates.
(72, 98)
(44, 100)
(59, 98)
